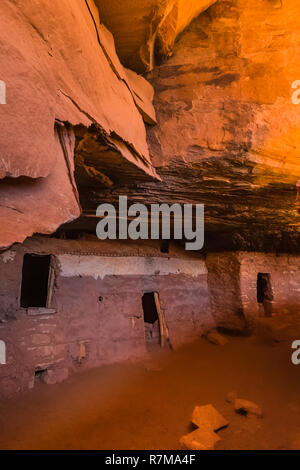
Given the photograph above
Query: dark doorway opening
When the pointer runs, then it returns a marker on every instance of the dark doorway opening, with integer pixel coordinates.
(35, 279)
(151, 320)
(39, 374)
(265, 293)
(165, 246)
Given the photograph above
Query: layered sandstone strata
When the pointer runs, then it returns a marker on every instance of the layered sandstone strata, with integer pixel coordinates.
(228, 131)
(61, 70)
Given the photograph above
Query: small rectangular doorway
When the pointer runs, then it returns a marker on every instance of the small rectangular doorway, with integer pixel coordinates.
(156, 329)
(36, 277)
(151, 320)
(264, 294)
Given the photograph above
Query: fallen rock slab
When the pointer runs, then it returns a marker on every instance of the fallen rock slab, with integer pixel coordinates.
(209, 418)
(215, 337)
(201, 439)
(247, 407)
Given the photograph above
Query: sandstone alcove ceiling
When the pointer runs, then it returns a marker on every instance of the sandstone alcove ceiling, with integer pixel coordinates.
(144, 30)
(81, 129)
(219, 97)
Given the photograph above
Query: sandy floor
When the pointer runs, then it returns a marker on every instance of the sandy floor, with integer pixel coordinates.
(128, 407)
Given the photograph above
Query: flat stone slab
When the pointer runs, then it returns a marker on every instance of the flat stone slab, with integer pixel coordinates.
(215, 337)
(209, 418)
(201, 439)
(247, 407)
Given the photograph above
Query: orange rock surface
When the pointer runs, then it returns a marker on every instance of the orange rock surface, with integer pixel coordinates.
(147, 28)
(227, 132)
(59, 66)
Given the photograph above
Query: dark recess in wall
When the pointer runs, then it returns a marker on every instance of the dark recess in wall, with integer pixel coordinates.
(149, 308)
(35, 276)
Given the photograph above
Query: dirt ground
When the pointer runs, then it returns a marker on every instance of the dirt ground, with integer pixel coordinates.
(126, 406)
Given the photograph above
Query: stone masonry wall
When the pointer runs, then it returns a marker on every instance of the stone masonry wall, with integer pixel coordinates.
(224, 288)
(284, 273)
(232, 281)
(98, 316)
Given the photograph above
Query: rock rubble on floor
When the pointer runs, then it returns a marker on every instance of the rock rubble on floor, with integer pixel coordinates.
(215, 337)
(208, 420)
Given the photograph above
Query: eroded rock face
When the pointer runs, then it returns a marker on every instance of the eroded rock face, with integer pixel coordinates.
(146, 30)
(229, 87)
(60, 66)
(225, 98)
(227, 134)
(29, 205)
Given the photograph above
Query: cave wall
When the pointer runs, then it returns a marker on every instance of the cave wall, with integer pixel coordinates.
(225, 98)
(218, 99)
(221, 92)
(84, 331)
(61, 70)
